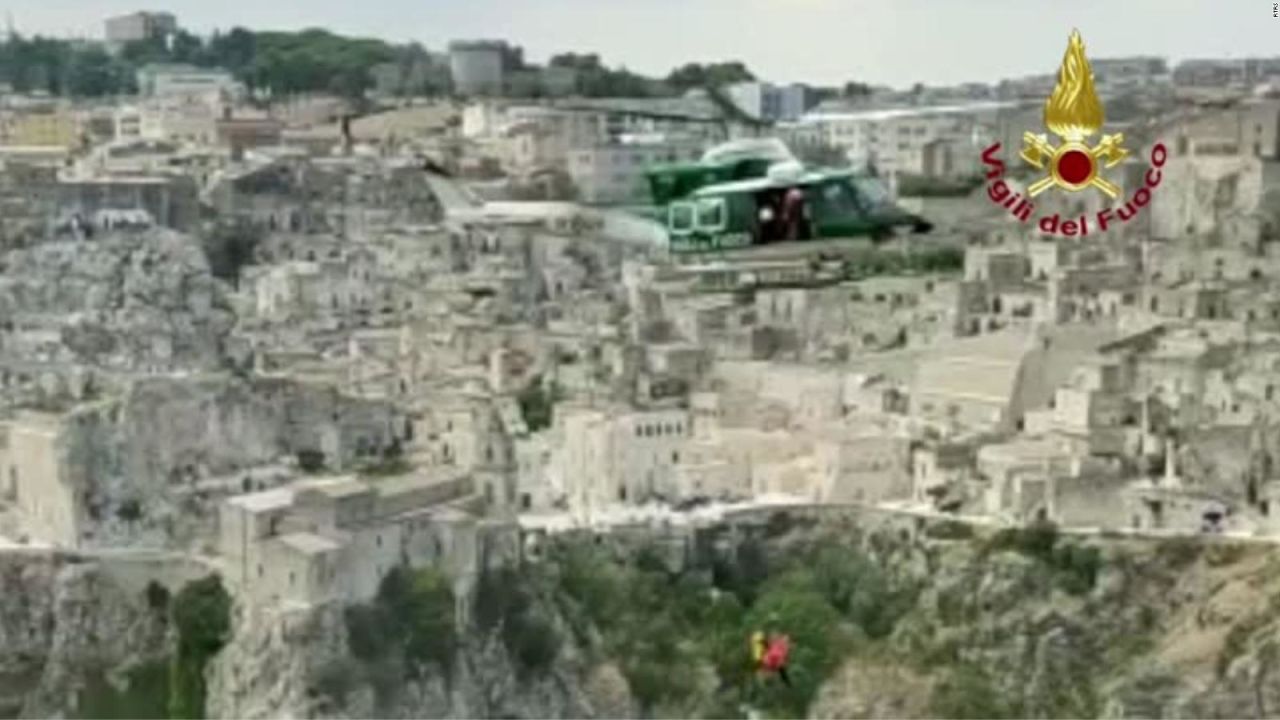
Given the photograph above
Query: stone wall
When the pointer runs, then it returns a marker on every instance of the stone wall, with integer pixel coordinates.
(66, 620)
(146, 468)
(130, 299)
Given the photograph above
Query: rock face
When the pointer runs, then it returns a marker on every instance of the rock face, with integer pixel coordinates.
(152, 463)
(66, 625)
(1164, 629)
(295, 663)
(129, 299)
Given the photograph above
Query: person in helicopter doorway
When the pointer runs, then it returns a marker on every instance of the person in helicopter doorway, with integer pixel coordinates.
(795, 215)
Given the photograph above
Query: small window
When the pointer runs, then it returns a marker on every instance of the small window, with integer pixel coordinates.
(711, 215)
(680, 218)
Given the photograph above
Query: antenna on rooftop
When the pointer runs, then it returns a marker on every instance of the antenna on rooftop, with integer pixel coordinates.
(8, 17)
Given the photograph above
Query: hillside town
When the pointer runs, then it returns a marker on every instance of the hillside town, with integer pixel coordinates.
(306, 337)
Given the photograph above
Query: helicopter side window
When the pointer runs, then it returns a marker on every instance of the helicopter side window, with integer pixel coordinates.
(839, 198)
(712, 215)
(680, 218)
(873, 192)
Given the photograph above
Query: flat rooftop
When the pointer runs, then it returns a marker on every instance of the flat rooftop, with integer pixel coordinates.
(310, 543)
(273, 499)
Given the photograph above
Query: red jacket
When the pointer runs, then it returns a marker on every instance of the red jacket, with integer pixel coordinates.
(776, 656)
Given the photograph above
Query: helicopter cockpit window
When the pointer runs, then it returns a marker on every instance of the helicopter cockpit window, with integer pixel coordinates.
(680, 217)
(711, 214)
(839, 197)
(873, 191)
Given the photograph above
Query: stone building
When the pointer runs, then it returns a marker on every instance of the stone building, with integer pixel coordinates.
(331, 539)
(618, 457)
(169, 200)
(33, 479)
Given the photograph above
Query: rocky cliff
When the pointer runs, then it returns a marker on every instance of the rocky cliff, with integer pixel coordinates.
(75, 634)
(888, 619)
(889, 622)
(298, 664)
(126, 299)
(152, 460)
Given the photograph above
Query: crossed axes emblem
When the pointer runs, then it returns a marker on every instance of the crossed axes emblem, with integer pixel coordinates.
(1036, 150)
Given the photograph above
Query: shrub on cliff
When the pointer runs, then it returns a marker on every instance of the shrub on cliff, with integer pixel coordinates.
(504, 600)
(202, 616)
(423, 601)
(532, 642)
(967, 693)
(413, 617)
(229, 248)
(744, 573)
(141, 698)
(537, 404)
(859, 589)
(1074, 567)
(792, 604)
(1034, 541)
(311, 461)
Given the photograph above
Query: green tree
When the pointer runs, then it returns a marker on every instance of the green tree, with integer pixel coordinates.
(537, 404)
(967, 693)
(697, 75)
(234, 50)
(853, 89)
(187, 48)
(432, 625)
(202, 616)
(151, 50)
(229, 247)
(504, 601)
(91, 72)
(791, 604)
(584, 62)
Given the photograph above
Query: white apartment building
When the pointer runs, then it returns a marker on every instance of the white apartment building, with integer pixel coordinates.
(128, 122)
(615, 173)
(538, 136)
(133, 27)
(607, 459)
(477, 66)
(163, 80)
(895, 140)
(193, 122)
(766, 101)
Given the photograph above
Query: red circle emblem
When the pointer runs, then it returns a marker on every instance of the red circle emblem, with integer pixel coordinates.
(1075, 166)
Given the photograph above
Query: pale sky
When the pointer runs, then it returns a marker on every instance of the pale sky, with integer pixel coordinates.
(896, 42)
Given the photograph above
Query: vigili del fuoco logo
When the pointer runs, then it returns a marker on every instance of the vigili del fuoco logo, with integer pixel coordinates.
(1074, 114)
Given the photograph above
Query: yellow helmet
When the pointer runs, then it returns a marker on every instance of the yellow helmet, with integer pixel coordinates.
(758, 645)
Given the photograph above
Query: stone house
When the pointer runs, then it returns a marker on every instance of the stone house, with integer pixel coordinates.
(336, 538)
